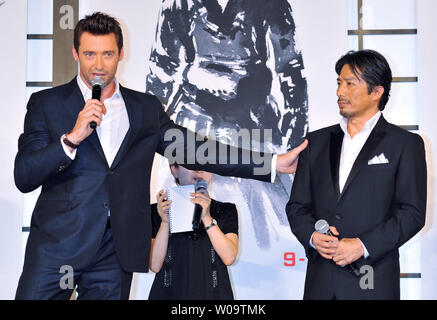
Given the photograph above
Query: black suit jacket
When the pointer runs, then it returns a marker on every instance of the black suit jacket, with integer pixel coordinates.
(70, 215)
(381, 204)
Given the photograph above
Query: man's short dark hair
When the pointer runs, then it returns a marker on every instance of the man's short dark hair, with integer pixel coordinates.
(98, 24)
(370, 66)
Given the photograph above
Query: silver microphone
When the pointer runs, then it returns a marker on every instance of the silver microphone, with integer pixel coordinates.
(200, 186)
(98, 83)
(322, 226)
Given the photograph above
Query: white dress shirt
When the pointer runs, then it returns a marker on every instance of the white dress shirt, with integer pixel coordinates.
(350, 149)
(114, 125)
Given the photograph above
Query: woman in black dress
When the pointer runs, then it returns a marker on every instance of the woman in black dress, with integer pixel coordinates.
(193, 265)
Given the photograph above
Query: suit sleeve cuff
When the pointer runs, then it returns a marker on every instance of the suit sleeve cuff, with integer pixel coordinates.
(311, 241)
(71, 155)
(366, 253)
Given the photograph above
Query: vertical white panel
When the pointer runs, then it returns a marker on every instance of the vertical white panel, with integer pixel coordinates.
(410, 262)
(399, 50)
(40, 16)
(13, 23)
(411, 288)
(39, 60)
(25, 236)
(353, 14)
(427, 48)
(402, 108)
(389, 14)
(29, 202)
(353, 43)
(410, 259)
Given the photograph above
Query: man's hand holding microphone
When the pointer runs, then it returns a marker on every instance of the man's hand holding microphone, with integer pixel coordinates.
(343, 252)
(90, 116)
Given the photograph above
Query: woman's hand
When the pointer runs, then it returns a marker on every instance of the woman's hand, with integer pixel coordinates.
(204, 201)
(163, 205)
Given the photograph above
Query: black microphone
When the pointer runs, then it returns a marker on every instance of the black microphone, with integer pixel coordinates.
(322, 226)
(200, 186)
(97, 84)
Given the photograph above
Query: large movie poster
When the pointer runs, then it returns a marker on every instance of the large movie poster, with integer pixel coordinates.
(225, 66)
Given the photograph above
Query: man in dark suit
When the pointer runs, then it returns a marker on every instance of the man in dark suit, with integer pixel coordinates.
(367, 179)
(92, 218)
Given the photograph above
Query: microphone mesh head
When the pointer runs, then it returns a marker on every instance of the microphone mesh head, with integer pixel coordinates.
(201, 184)
(322, 226)
(98, 81)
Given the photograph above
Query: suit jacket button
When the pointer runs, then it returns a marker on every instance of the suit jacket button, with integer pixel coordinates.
(338, 216)
(111, 173)
(105, 205)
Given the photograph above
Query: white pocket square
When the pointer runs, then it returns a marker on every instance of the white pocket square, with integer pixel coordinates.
(381, 159)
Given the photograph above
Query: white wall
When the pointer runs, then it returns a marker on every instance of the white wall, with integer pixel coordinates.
(13, 17)
(427, 47)
(322, 35)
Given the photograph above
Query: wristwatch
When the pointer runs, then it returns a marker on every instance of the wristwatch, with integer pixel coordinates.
(68, 142)
(213, 223)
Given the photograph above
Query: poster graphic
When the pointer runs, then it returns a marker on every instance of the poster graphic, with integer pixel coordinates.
(221, 66)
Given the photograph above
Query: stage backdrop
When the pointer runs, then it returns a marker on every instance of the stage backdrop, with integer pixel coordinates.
(13, 22)
(292, 58)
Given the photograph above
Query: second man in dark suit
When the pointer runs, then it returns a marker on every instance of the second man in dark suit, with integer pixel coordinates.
(367, 179)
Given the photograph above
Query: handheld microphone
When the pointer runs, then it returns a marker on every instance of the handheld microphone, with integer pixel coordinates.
(98, 84)
(322, 226)
(200, 186)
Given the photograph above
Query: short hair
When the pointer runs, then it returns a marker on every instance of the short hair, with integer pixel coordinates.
(98, 24)
(370, 66)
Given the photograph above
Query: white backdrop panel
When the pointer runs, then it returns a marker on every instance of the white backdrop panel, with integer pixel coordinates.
(13, 16)
(427, 46)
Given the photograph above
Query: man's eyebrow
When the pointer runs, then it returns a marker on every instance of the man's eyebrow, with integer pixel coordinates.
(347, 79)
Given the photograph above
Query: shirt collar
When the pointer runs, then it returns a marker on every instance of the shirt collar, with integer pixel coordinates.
(87, 92)
(368, 127)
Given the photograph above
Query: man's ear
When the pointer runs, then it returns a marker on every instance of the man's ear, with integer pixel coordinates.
(377, 92)
(75, 54)
(121, 56)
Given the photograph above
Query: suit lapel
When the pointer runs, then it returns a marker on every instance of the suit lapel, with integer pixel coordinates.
(73, 100)
(74, 103)
(135, 114)
(362, 159)
(335, 153)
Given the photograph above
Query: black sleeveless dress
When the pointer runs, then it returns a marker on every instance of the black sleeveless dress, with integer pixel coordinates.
(192, 270)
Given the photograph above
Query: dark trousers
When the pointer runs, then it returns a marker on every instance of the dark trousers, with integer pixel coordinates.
(104, 279)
